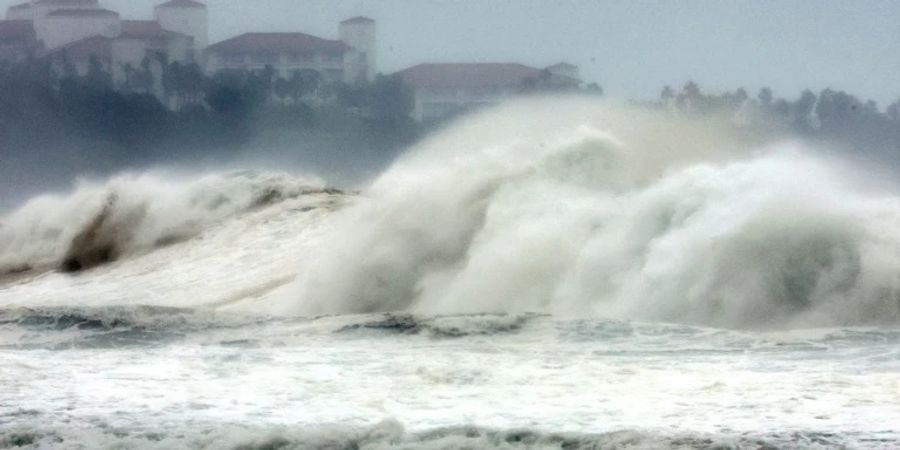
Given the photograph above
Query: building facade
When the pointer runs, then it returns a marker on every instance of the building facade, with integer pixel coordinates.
(79, 35)
(350, 59)
(441, 90)
(76, 35)
(55, 28)
(18, 40)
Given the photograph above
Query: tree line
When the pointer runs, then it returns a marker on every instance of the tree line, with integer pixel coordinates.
(832, 116)
(87, 122)
(54, 119)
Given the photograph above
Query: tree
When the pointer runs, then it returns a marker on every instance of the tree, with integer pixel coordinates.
(304, 82)
(226, 99)
(667, 95)
(593, 89)
(803, 109)
(893, 111)
(282, 89)
(765, 97)
(390, 100)
(128, 70)
(739, 97)
(192, 84)
(172, 79)
(97, 77)
(187, 83)
(140, 81)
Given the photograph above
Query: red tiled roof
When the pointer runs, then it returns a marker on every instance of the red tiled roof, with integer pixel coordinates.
(141, 28)
(144, 29)
(16, 29)
(468, 75)
(563, 65)
(278, 43)
(98, 46)
(181, 4)
(83, 13)
(358, 19)
(68, 2)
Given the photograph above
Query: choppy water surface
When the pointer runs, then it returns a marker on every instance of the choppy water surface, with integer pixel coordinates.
(162, 377)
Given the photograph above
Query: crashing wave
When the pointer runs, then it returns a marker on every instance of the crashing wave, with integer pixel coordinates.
(578, 208)
(99, 223)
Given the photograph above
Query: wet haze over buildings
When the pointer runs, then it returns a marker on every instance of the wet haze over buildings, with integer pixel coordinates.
(277, 253)
(631, 48)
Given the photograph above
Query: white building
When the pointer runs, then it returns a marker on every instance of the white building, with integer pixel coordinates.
(440, 90)
(63, 26)
(36, 9)
(187, 17)
(140, 47)
(18, 40)
(61, 22)
(350, 59)
(73, 33)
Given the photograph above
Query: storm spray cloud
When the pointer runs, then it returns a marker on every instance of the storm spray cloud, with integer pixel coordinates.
(577, 207)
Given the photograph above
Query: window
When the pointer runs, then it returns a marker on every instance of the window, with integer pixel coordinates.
(333, 58)
(233, 59)
(334, 74)
(298, 58)
(265, 58)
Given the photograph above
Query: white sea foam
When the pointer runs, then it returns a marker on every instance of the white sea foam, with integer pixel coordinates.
(576, 207)
(131, 213)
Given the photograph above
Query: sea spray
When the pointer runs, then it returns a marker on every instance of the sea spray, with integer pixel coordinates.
(100, 222)
(576, 207)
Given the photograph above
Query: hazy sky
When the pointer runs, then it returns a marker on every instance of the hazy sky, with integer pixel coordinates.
(632, 48)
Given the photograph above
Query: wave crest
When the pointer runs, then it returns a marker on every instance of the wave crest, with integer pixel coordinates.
(579, 208)
(99, 223)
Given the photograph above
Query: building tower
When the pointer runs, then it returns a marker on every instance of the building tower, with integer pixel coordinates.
(21, 11)
(36, 9)
(359, 33)
(188, 17)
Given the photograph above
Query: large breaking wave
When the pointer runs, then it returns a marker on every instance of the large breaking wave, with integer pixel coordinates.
(101, 222)
(567, 207)
(579, 208)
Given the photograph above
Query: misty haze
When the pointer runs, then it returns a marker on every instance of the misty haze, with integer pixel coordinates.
(449, 225)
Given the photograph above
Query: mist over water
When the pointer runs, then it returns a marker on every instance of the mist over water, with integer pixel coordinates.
(575, 207)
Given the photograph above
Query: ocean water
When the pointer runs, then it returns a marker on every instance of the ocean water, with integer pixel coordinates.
(553, 274)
